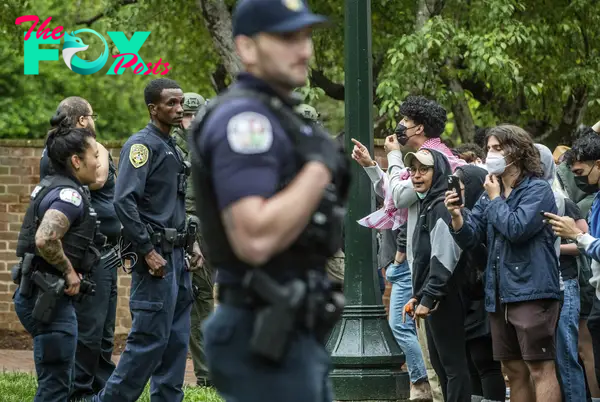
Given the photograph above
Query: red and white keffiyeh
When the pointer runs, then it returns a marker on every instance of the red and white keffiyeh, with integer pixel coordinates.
(390, 217)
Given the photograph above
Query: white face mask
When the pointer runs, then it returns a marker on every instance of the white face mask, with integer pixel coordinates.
(495, 163)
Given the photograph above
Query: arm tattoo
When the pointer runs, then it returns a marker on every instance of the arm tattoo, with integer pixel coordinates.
(53, 227)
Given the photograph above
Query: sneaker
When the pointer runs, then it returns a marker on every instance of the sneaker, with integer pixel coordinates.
(420, 392)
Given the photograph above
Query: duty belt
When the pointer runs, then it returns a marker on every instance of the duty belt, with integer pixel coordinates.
(179, 240)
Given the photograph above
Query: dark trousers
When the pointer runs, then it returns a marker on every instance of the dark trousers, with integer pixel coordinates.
(594, 327)
(96, 316)
(53, 347)
(241, 376)
(157, 344)
(447, 348)
(486, 373)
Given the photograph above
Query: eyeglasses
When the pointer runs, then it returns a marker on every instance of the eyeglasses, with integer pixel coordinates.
(93, 116)
(421, 169)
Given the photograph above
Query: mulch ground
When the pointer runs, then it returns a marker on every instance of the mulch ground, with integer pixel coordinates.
(17, 340)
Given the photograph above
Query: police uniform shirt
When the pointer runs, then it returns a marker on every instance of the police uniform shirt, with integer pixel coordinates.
(66, 200)
(146, 188)
(249, 150)
(101, 199)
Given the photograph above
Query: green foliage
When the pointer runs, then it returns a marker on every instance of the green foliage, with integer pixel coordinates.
(28, 101)
(518, 61)
(19, 387)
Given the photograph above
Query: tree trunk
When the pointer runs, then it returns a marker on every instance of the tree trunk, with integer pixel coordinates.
(573, 112)
(462, 114)
(218, 22)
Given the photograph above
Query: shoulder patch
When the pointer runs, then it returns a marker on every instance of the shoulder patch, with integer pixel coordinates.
(36, 191)
(249, 133)
(71, 196)
(138, 155)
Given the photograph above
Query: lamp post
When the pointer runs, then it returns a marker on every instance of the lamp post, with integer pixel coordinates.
(365, 355)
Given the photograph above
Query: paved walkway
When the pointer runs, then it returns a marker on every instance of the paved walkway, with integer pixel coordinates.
(22, 360)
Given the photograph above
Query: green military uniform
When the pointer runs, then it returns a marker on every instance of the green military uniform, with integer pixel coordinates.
(335, 265)
(202, 279)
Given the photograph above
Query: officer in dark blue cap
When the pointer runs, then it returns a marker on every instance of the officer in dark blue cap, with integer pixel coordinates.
(271, 188)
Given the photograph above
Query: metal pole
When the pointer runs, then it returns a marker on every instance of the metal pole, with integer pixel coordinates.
(365, 355)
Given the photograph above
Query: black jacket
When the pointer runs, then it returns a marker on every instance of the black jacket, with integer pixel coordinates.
(436, 255)
(474, 261)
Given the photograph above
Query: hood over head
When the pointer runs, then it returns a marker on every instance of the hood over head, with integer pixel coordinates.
(548, 164)
(473, 178)
(441, 170)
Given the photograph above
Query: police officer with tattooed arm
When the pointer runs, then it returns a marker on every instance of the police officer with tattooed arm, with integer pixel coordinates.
(56, 247)
(271, 189)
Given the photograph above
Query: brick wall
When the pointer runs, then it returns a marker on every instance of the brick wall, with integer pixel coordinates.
(19, 174)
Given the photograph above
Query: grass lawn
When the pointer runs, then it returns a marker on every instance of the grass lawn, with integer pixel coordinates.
(20, 387)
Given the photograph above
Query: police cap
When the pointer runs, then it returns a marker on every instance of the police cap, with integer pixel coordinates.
(251, 17)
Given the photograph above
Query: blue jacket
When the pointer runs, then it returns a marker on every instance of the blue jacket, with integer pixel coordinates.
(522, 261)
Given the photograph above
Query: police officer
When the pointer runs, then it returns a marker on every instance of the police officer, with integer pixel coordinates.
(150, 202)
(202, 277)
(96, 316)
(262, 177)
(56, 248)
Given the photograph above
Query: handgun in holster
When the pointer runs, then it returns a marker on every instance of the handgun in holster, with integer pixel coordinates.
(274, 324)
(51, 288)
(21, 275)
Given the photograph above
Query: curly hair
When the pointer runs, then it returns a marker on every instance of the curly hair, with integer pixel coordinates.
(586, 148)
(426, 112)
(469, 152)
(583, 131)
(518, 147)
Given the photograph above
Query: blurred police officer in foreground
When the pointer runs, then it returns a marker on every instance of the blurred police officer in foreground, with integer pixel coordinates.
(96, 315)
(202, 278)
(150, 202)
(56, 247)
(270, 188)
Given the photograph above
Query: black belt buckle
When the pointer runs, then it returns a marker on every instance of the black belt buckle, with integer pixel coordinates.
(168, 240)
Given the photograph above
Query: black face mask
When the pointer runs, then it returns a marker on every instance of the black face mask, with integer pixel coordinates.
(400, 132)
(582, 183)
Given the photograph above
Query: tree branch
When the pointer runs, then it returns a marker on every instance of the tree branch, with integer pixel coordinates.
(96, 17)
(332, 89)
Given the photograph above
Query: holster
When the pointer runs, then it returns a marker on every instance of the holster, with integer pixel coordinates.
(169, 238)
(274, 324)
(26, 269)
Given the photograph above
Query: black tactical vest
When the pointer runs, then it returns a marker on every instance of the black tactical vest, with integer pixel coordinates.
(78, 242)
(295, 260)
